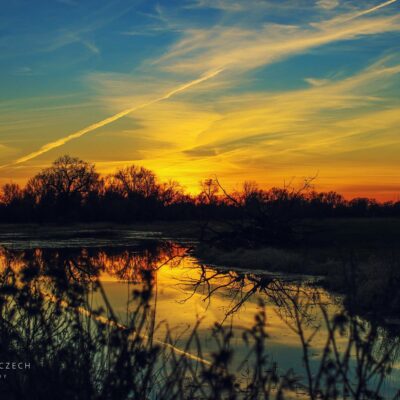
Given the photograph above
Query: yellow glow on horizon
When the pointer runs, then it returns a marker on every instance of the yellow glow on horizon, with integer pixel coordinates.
(340, 130)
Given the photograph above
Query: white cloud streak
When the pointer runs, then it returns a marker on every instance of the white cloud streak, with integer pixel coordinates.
(220, 48)
(313, 119)
(243, 49)
(60, 142)
(377, 7)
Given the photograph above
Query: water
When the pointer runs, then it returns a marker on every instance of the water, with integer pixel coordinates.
(186, 293)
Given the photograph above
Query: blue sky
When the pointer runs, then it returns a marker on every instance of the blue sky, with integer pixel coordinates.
(287, 89)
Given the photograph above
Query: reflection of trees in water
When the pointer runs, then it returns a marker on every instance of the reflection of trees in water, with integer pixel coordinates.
(86, 265)
(75, 353)
(128, 264)
(357, 356)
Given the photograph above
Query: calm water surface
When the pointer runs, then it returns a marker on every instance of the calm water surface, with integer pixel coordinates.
(187, 293)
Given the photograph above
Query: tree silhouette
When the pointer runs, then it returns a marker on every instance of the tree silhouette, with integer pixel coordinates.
(67, 177)
(60, 190)
(135, 180)
(10, 193)
(71, 189)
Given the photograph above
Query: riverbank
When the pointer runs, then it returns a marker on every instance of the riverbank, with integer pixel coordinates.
(320, 232)
(367, 278)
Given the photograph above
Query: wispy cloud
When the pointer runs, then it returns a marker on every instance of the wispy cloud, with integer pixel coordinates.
(6, 150)
(223, 46)
(316, 81)
(271, 135)
(254, 120)
(69, 31)
(225, 5)
(60, 142)
(24, 71)
(65, 38)
(375, 8)
(299, 114)
(348, 17)
(328, 4)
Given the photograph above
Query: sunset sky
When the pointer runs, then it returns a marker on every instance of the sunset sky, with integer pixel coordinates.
(259, 90)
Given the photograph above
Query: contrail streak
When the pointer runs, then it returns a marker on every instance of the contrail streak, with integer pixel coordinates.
(60, 142)
(107, 321)
(370, 10)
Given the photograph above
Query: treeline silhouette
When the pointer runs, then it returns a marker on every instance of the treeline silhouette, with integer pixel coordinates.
(71, 190)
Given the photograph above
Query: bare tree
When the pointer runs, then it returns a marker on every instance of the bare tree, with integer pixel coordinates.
(68, 176)
(171, 192)
(135, 180)
(209, 191)
(9, 193)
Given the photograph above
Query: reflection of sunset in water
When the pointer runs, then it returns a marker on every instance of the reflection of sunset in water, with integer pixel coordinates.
(179, 306)
(185, 291)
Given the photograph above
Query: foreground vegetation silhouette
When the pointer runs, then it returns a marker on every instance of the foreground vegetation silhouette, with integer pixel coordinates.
(77, 351)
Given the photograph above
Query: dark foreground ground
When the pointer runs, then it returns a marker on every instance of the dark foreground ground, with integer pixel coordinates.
(325, 232)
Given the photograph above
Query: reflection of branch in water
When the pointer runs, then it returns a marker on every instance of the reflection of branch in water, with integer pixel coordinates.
(107, 359)
(353, 360)
(240, 287)
(211, 284)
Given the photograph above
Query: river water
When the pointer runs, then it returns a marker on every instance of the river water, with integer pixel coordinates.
(186, 293)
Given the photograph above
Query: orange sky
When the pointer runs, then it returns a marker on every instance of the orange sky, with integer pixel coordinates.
(240, 90)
